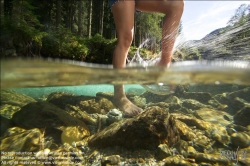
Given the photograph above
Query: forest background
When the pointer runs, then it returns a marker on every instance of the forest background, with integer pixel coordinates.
(84, 30)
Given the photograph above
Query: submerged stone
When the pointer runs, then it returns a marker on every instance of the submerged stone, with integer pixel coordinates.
(214, 116)
(240, 139)
(21, 140)
(14, 98)
(73, 134)
(193, 104)
(147, 131)
(163, 151)
(46, 115)
(242, 117)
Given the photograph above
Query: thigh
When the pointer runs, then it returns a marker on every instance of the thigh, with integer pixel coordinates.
(123, 13)
(160, 6)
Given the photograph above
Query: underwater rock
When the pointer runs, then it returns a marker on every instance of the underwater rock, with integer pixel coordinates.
(202, 143)
(185, 132)
(214, 116)
(107, 95)
(182, 147)
(233, 102)
(7, 110)
(14, 98)
(114, 115)
(91, 107)
(163, 151)
(73, 134)
(147, 131)
(175, 161)
(173, 100)
(105, 104)
(5, 124)
(214, 103)
(243, 94)
(240, 139)
(242, 116)
(180, 90)
(215, 159)
(110, 160)
(193, 104)
(45, 115)
(213, 131)
(85, 103)
(162, 105)
(154, 98)
(191, 151)
(76, 112)
(202, 97)
(139, 101)
(20, 140)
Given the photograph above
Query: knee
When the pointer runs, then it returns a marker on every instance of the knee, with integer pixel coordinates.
(125, 39)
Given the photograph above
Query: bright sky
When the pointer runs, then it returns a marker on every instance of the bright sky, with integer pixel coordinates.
(202, 17)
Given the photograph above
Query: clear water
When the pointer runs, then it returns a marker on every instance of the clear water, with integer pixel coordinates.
(38, 78)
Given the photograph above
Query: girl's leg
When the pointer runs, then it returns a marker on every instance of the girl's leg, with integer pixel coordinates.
(123, 13)
(173, 10)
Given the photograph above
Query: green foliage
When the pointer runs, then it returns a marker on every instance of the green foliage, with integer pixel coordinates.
(100, 49)
(24, 26)
(62, 43)
(144, 53)
(185, 53)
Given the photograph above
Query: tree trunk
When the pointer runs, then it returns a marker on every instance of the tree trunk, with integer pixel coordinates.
(8, 5)
(90, 17)
(80, 26)
(58, 12)
(101, 18)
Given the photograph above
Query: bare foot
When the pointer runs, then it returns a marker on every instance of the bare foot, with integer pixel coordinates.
(127, 107)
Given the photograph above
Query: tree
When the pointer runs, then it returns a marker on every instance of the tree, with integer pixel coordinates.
(241, 15)
(101, 17)
(80, 13)
(90, 17)
(58, 12)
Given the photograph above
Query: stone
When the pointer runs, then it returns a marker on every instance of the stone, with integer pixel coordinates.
(153, 98)
(182, 147)
(242, 117)
(191, 151)
(114, 115)
(240, 139)
(21, 140)
(8, 110)
(213, 131)
(243, 94)
(214, 116)
(14, 98)
(193, 104)
(46, 115)
(73, 134)
(162, 105)
(163, 151)
(176, 160)
(202, 97)
(185, 132)
(173, 100)
(147, 130)
(107, 95)
(5, 124)
(139, 101)
(110, 160)
(211, 158)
